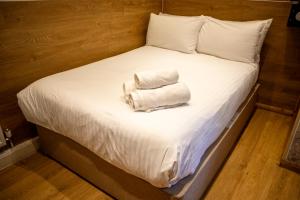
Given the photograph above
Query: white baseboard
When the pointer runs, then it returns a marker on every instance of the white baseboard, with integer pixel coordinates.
(18, 152)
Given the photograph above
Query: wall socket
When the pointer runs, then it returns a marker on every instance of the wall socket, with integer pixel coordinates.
(2, 138)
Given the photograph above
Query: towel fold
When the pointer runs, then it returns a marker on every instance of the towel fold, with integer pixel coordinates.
(164, 97)
(128, 87)
(155, 78)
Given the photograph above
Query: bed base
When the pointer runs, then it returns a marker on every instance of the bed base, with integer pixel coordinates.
(122, 185)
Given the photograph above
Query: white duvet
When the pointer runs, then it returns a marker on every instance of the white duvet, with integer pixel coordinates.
(161, 147)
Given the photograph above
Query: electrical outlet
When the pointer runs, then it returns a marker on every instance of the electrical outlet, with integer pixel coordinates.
(2, 138)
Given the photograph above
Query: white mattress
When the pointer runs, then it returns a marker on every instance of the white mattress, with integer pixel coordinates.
(161, 147)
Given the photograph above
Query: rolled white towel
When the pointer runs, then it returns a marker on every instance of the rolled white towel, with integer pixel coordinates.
(155, 78)
(128, 87)
(164, 97)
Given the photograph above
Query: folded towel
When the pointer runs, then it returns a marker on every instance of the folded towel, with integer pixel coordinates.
(155, 78)
(128, 87)
(164, 97)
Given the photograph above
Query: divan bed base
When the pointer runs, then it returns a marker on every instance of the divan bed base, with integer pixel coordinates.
(122, 185)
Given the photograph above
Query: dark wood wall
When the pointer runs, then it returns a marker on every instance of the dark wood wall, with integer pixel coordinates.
(280, 65)
(45, 37)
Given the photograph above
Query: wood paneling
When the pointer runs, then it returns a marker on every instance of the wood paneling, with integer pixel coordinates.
(44, 37)
(251, 172)
(280, 63)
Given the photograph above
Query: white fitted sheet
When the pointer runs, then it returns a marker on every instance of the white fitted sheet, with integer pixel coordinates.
(161, 147)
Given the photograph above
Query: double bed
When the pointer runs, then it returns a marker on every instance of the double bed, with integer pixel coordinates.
(174, 153)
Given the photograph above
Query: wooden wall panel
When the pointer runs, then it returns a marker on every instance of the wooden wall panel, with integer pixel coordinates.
(280, 64)
(45, 37)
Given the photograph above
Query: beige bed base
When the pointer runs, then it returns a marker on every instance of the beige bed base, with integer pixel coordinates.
(122, 185)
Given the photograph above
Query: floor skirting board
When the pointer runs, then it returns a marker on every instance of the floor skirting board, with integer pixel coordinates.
(275, 109)
(18, 152)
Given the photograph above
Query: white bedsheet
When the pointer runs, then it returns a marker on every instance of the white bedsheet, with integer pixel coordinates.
(161, 147)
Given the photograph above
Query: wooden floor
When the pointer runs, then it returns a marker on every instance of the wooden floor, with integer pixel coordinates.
(251, 172)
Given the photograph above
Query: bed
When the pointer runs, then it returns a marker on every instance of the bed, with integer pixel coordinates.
(84, 123)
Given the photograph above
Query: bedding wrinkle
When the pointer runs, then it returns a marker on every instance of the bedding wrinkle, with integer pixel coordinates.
(159, 147)
(169, 167)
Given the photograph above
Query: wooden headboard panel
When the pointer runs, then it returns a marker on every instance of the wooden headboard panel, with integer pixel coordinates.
(40, 38)
(280, 64)
(44, 37)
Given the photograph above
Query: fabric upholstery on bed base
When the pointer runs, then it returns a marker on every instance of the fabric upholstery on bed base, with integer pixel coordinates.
(122, 185)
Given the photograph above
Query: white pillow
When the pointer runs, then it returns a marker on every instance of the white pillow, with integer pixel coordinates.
(174, 33)
(238, 41)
